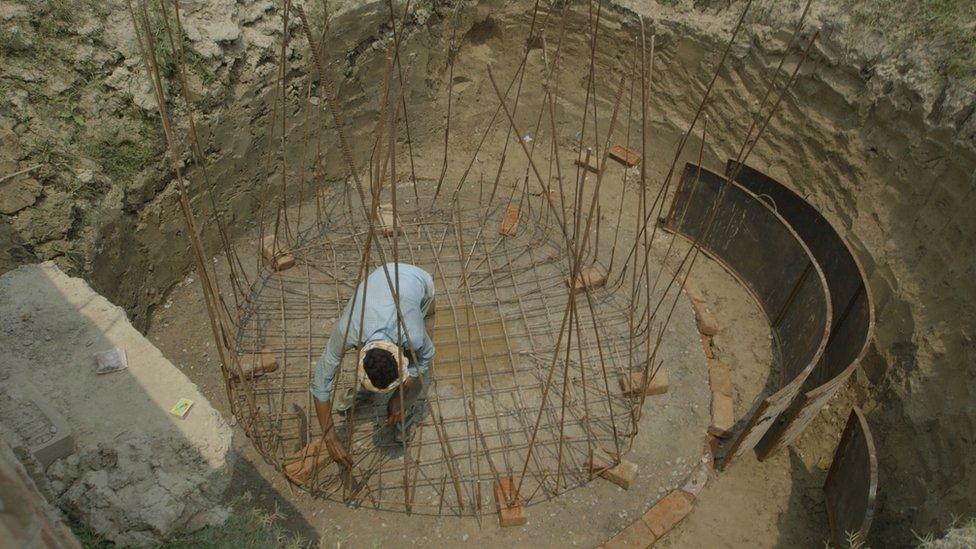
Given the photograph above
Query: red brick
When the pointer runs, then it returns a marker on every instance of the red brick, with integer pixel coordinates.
(636, 536)
(705, 320)
(510, 222)
(301, 465)
(692, 291)
(509, 514)
(277, 256)
(627, 157)
(631, 384)
(723, 417)
(593, 165)
(589, 278)
(668, 512)
(622, 474)
(256, 364)
(719, 377)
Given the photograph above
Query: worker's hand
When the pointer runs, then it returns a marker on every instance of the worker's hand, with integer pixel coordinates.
(336, 449)
(394, 414)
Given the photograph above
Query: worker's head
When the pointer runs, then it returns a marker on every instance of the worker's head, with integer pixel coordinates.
(382, 366)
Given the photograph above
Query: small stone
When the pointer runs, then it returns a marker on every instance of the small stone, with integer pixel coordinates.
(18, 193)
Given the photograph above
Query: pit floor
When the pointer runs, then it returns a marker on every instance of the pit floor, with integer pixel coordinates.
(775, 503)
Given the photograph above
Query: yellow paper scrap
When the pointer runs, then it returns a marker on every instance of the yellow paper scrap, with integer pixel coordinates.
(181, 407)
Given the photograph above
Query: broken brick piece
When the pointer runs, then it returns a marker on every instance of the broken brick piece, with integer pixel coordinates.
(636, 536)
(704, 319)
(387, 226)
(510, 222)
(719, 377)
(593, 164)
(276, 255)
(256, 364)
(622, 474)
(510, 513)
(627, 157)
(301, 465)
(589, 278)
(692, 291)
(631, 385)
(667, 512)
(723, 417)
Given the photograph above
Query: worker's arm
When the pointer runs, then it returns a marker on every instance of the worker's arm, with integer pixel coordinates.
(323, 383)
(421, 344)
(323, 409)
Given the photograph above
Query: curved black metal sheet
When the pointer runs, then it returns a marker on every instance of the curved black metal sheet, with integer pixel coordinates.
(851, 488)
(853, 322)
(770, 259)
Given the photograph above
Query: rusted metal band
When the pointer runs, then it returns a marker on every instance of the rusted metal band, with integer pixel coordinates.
(850, 296)
(762, 251)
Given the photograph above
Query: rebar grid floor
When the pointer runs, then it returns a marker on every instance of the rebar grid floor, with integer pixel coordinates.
(499, 305)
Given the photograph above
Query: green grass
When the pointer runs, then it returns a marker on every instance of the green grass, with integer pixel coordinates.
(246, 528)
(946, 27)
(960, 533)
(121, 155)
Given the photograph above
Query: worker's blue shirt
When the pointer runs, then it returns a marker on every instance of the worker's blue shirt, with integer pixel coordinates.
(380, 323)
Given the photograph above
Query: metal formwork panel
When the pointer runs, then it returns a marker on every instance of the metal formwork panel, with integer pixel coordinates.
(853, 322)
(851, 488)
(763, 252)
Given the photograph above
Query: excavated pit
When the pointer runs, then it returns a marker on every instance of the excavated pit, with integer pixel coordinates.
(870, 157)
(829, 138)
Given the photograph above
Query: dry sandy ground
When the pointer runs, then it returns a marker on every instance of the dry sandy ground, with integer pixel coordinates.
(766, 504)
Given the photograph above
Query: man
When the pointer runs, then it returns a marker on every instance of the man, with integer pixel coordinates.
(390, 360)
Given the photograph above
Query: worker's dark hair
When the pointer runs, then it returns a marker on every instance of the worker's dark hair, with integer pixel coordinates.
(381, 367)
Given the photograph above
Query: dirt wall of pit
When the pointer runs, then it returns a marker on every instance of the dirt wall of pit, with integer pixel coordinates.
(891, 166)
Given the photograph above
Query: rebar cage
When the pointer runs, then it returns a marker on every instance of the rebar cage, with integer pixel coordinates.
(537, 342)
(499, 300)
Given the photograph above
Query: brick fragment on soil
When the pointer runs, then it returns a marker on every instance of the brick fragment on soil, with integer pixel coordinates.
(509, 514)
(592, 165)
(279, 258)
(722, 416)
(256, 364)
(692, 291)
(704, 319)
(668, 511)
(632, 384)
(589, 278)
(510, 222)
(636, 536)
(719, 377)
(301, 465)
(627, 157)
(623, 474)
